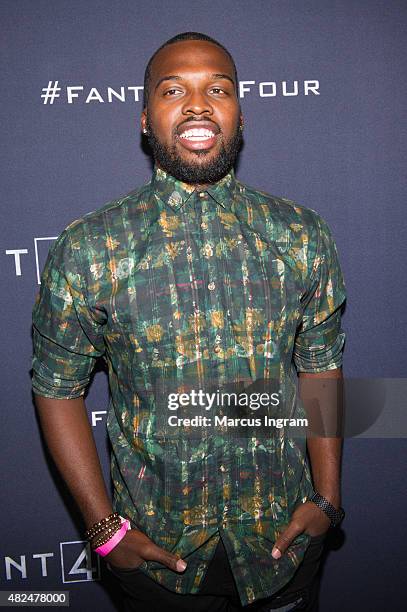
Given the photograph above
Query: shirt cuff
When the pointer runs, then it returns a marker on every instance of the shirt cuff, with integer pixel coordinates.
(48, 384)
(320, 358)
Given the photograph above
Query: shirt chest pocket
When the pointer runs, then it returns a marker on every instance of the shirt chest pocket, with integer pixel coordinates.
(153, 312)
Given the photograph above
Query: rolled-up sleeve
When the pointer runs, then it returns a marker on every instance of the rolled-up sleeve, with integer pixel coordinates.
(67, 339)
(319, 342)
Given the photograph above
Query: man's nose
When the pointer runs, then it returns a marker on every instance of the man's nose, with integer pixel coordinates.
(197, 103)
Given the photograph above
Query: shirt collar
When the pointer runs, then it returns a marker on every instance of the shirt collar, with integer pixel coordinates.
(175, 193)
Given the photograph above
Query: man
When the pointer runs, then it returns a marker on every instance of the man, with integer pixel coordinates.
(192, 283)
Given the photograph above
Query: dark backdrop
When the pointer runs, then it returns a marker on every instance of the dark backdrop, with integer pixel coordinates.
(337, 146)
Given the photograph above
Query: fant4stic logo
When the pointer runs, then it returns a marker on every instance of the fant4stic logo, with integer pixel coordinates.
(55, 92)
(78, 563)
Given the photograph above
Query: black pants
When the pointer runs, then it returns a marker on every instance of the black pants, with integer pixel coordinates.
(218, 592)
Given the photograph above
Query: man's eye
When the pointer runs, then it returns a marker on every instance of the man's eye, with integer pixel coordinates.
(218, 90)
(171, 92)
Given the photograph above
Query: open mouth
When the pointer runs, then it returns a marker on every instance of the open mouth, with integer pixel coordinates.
(197, 134)
(202, 137)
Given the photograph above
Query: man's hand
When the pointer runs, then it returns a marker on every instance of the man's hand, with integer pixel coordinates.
(306, 518)
(68, 434)
(135, 548)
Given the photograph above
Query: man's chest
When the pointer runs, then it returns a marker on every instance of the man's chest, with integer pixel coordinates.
(201, 282)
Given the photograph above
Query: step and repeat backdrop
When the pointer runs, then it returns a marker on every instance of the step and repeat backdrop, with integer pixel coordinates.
(323, 90)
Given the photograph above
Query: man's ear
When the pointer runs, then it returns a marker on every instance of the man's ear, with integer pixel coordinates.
(143, 121)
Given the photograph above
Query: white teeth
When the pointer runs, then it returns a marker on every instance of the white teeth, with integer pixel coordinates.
(197, 134)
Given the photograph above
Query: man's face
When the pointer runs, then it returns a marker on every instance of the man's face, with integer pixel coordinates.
(193, 115)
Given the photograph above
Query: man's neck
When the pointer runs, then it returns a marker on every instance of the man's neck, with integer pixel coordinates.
(196, 186)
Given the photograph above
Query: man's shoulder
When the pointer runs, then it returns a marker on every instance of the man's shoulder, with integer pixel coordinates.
(111, 215)
(282, 210)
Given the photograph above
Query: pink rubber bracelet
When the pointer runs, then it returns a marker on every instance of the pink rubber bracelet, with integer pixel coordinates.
(105, 549)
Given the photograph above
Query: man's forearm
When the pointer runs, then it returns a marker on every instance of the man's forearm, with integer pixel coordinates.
(325, 455)
(322, 398)
(69, 438)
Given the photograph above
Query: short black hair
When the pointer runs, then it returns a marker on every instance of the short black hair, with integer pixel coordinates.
(175, 39)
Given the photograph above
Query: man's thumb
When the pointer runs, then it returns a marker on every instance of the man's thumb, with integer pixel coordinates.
(171, 561)
(180, 565)
(283, 542)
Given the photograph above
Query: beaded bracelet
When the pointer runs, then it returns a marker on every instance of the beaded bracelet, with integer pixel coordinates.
(105, 537)
(104, 522)
(114, 524)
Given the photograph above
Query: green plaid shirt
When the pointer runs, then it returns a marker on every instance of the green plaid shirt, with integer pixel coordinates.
(173, 289)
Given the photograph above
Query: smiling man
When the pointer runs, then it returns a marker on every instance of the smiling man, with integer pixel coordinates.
(191, 283)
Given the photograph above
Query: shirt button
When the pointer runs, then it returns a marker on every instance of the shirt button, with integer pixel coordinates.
(222, 468)
(211, 286)
(201, 194)
(216, 348)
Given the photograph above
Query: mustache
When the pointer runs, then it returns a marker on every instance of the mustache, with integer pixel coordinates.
(196, 120)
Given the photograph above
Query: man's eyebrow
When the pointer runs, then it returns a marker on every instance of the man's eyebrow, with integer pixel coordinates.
(223, 76)
(171, 77)
(175, 77)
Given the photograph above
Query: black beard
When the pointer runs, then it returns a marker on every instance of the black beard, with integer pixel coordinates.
(200, 173)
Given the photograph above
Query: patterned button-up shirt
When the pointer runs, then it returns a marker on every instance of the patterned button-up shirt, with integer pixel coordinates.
(177, 289)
